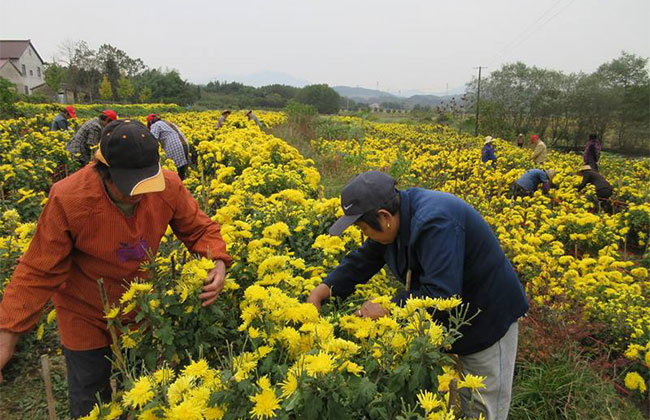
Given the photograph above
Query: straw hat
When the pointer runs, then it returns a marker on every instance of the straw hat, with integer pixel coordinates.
(488, 139)
(550, 173)
(585, 168)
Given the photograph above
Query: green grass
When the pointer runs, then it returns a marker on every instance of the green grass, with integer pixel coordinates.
(335, 172)
(566, 387)
(22, 394)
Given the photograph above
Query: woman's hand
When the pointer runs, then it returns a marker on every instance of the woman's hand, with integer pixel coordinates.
(318, 295)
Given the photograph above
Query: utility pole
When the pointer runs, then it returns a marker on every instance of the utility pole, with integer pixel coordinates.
(478, 99)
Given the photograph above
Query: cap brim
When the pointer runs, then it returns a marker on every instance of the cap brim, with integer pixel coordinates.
(343, 223)
(138, 181)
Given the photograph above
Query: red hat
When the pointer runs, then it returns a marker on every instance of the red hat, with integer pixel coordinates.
(110, 114)
(152, 116)
(533, 138)
(71, 111)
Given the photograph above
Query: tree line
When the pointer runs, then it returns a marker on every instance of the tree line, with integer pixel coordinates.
(612, 102)
(109, 74)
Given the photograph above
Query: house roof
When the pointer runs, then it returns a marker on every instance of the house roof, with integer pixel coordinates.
(14, 49)
(4, 61)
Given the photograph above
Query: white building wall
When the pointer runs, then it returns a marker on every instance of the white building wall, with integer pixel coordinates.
(33, 68)
(9, 72)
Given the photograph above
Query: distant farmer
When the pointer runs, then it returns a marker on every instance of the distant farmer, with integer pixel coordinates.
(539, 149)
(520, 140)
(445, 248)
(61, 121)
(222, 119)
(88, 135)
(172, 141)
(253, 117)
(101, 222)
(528, 183)
(604, 189)
(487, 153)
(591, 155)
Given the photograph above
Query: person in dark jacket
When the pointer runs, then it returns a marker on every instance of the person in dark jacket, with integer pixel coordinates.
(604, 189)
(60, 122)
(591, 155)
(487, 153)
(444, 246)
(528, 183)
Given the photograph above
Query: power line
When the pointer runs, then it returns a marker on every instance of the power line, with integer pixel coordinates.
(531, 28)
(544, 23)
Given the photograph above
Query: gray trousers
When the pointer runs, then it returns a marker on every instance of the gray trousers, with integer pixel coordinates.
(497, 364)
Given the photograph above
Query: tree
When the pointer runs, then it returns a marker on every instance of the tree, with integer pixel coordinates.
(54, 75)
(105, 89)
(145, 95)
(125, 89)
(627, 77)
(611, 102)
(111, 71)
(323, 97)
(8, 97)
(124, 64)
(166, 87)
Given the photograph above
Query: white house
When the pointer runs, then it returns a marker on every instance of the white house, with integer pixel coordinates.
(21, 64)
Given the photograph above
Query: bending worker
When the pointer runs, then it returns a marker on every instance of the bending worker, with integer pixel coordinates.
(88, 135)
(449, 250)
(604, 189)
(528, 183)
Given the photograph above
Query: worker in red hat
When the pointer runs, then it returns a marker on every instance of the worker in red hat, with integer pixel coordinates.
(539, 149)
(61, 121)
(88, 135)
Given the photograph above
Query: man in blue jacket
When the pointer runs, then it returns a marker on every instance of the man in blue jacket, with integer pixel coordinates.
(450, 251)
(528, 183)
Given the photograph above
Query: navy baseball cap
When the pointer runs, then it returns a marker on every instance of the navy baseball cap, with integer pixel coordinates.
(366, 192)
(131, 153)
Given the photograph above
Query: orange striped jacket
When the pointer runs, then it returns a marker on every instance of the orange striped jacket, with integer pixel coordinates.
(81, 236)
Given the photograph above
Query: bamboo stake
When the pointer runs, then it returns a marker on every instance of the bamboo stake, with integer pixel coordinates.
(453, 396)
(45, 371)
(115, 346)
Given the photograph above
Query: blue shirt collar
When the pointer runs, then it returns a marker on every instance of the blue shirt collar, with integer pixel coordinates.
(404, 218)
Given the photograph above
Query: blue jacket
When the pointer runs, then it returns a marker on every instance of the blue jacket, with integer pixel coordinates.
(451, 250)
(487, 153)
(60, 123)
(531, 179)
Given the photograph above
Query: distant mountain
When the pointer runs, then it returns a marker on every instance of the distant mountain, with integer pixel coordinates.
(423, 100)
(358, 93)
(264, 78)
(371, 96)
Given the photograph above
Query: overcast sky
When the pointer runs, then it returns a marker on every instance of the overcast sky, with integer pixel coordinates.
(400, 45)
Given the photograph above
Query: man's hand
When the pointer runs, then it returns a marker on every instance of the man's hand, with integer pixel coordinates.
(318, 295)
(371, 310)
(8, 342)
(214, 283)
